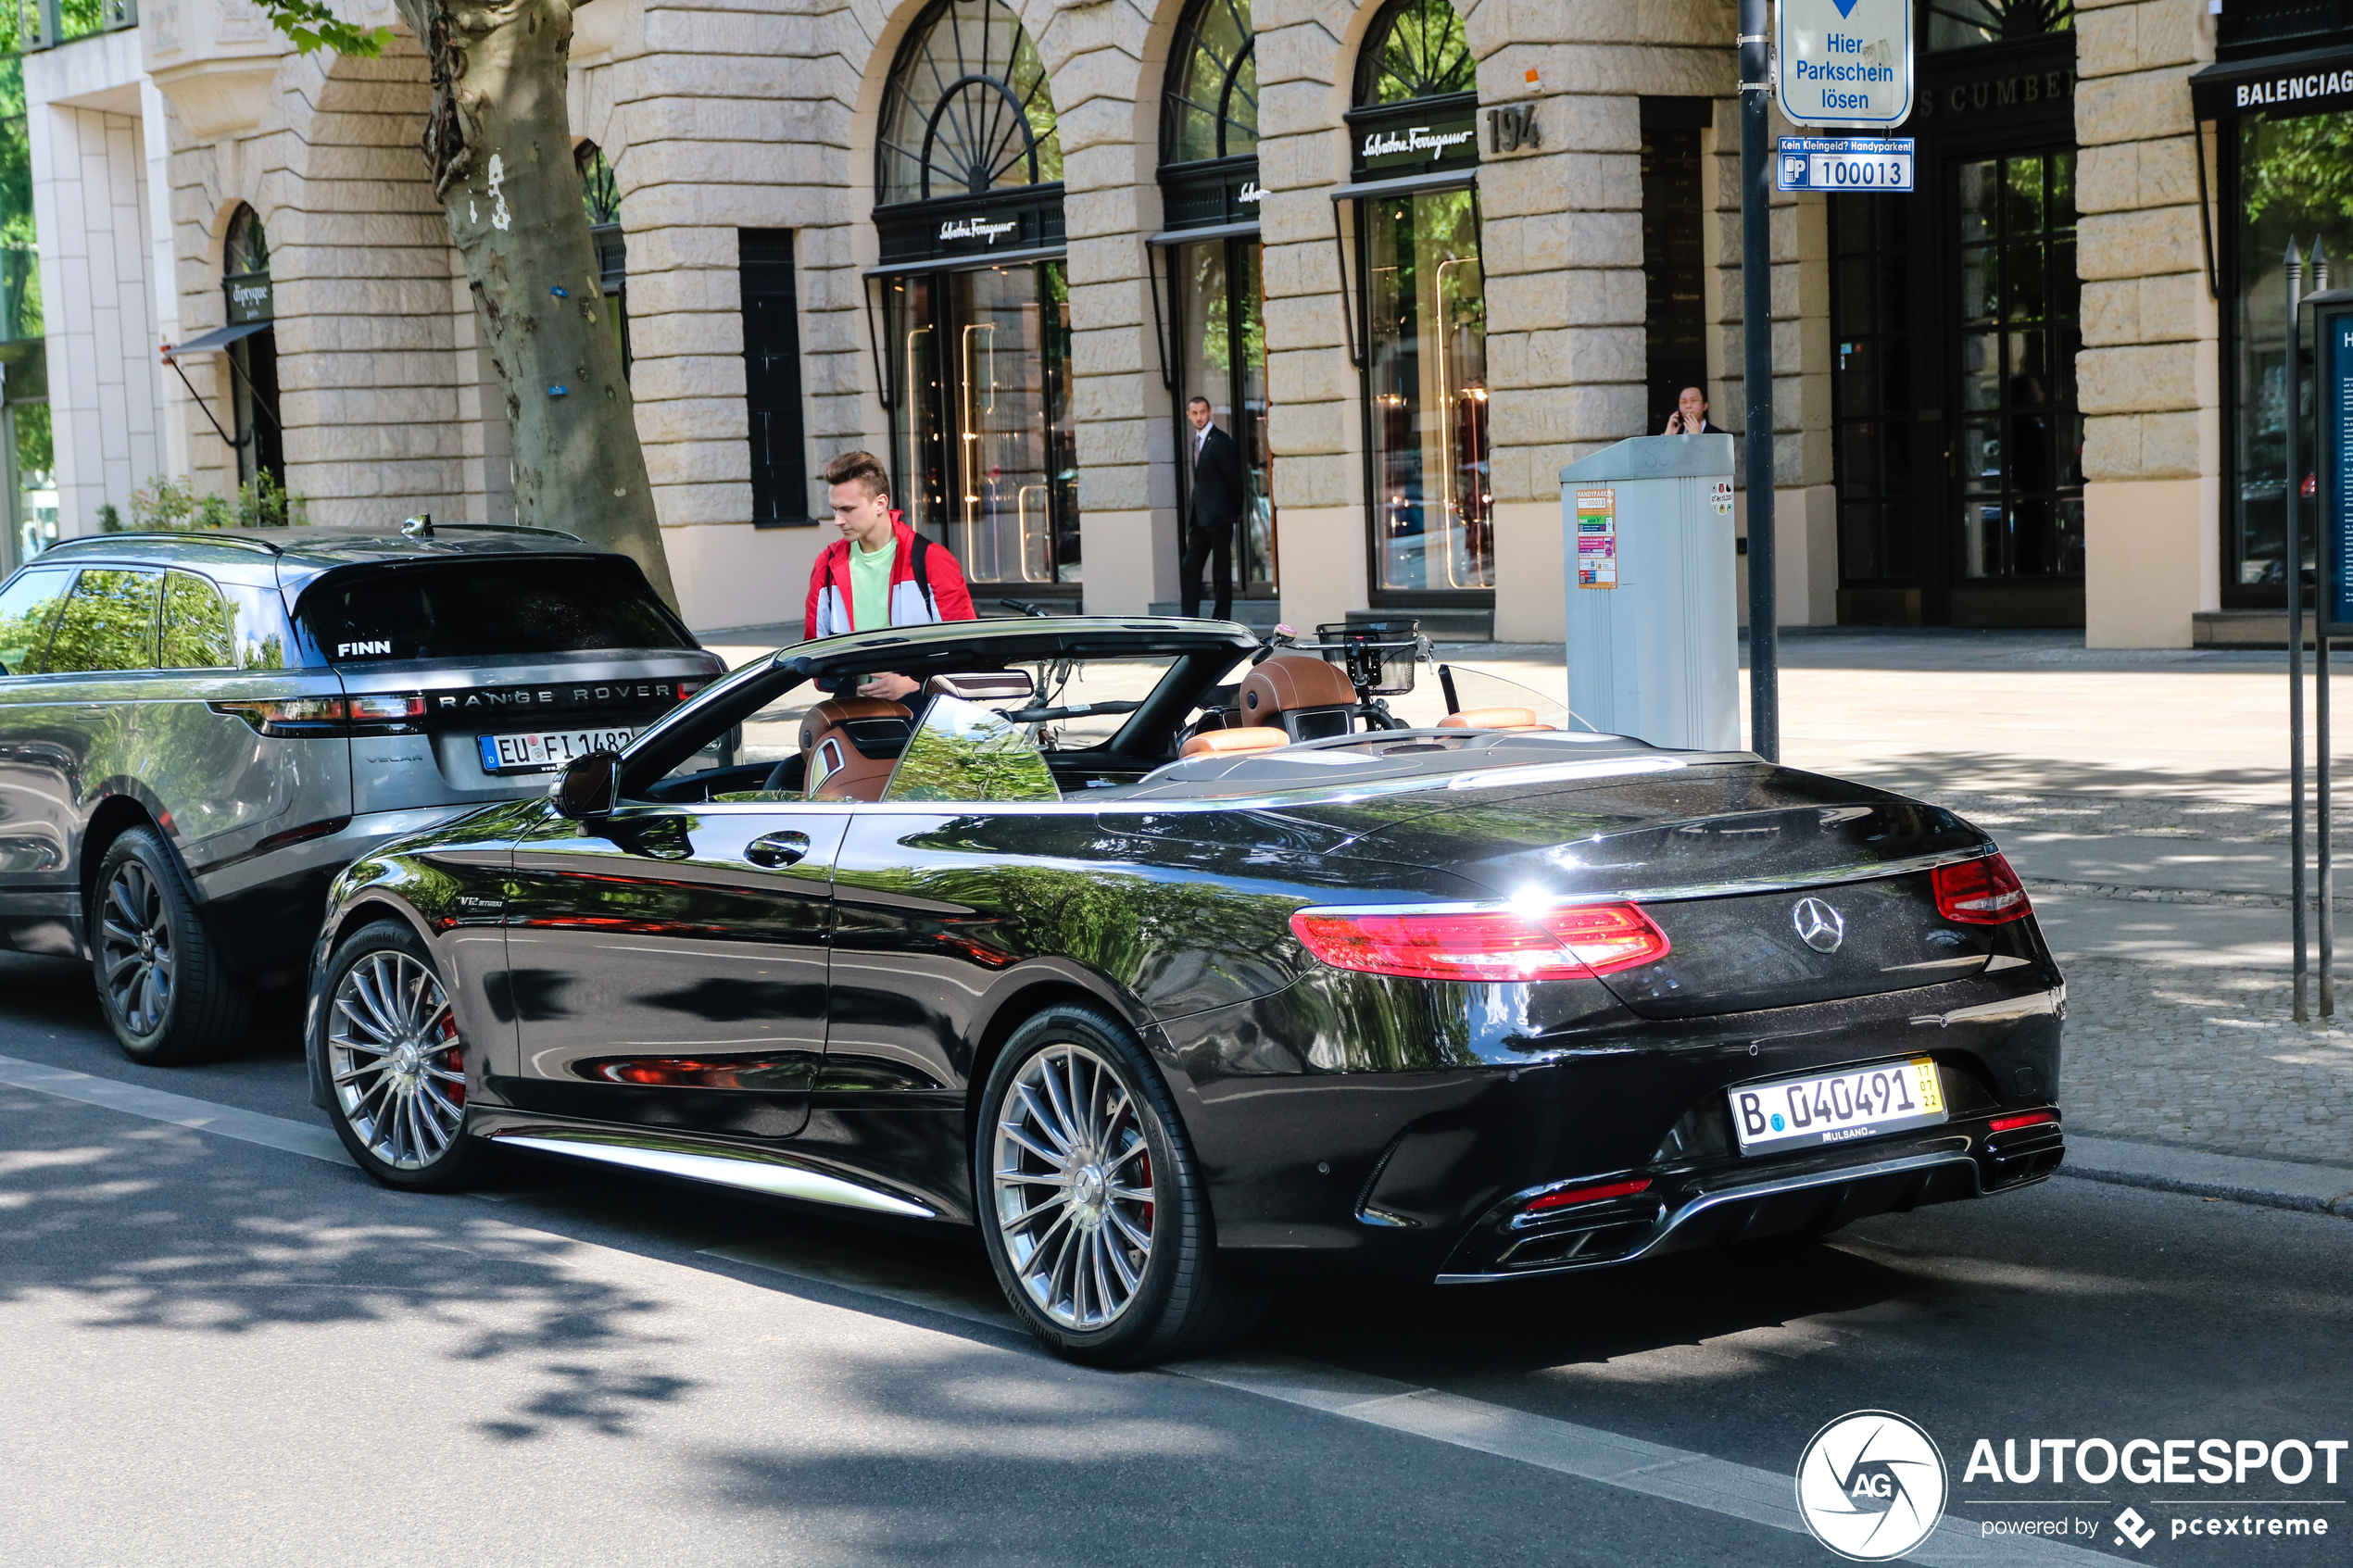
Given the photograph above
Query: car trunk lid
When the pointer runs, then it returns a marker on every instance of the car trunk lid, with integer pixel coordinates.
(1774, 887)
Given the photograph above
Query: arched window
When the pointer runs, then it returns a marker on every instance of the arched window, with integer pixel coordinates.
(600, 197)
(968, 110)
(973, 352)
(1423, 305)
(1210, 109)
(1415, 49)
(253, 355)
(1216, 342)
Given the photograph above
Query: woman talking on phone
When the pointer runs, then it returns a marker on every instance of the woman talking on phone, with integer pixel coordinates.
(1689, 417)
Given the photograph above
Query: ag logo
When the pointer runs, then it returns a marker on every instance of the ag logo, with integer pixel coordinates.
(1819, 926)
(1872, 1485)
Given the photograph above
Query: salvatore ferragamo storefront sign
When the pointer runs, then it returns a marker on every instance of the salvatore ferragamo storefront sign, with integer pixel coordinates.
(1417, 144)
(981, 229)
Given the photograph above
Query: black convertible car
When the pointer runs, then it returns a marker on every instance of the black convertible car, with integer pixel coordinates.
(1167, 961)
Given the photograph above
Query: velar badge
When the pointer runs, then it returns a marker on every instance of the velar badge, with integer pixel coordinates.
(1819, 926)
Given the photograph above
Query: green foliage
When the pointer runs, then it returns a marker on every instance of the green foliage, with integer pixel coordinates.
(966, 752)
(109, 519)
(109, 623)
(170, 503)
(312, 27)
(37, 448)
(165, 503)
(2302, 167)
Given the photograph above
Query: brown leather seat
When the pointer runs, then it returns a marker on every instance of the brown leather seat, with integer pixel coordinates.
(1220, 743)
(848, 745)
(1493, 718)
(1308, 697)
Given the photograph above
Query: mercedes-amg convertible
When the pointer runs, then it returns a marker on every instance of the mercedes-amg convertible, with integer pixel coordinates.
(1180, 965)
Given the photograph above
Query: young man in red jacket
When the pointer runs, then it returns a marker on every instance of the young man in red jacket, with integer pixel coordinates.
(880, 573)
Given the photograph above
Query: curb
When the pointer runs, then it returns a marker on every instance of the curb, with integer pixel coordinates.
(2272, 1184)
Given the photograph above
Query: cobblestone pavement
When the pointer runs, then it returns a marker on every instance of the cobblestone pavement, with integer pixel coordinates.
(2208, 1059)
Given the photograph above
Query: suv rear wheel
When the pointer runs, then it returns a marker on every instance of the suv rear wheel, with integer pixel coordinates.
(160, 976)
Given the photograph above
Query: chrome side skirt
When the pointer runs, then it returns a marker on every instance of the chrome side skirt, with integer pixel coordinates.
(754, 1172)
(1910, 1164)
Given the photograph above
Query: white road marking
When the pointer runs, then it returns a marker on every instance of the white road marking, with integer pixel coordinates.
(180, 1110)
(1677, 1476)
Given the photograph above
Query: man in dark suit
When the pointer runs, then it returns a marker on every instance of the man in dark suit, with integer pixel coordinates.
(1219, 494)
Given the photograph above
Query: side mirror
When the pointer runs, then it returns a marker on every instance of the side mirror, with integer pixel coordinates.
(589, 786)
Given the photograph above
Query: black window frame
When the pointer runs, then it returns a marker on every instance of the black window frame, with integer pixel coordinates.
(775, 432)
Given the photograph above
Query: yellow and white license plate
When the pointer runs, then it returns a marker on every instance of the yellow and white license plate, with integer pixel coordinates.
(543, 751)
(1838, 1107)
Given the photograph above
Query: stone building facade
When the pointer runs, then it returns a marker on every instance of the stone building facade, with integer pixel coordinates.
(1416, 254)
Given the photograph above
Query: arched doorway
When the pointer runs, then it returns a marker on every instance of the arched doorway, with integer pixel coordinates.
(1421, 311)
(1210, 194)
(975, 343)
(253, 357)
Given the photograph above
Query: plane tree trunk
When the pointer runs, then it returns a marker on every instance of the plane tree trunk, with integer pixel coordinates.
(498, 143)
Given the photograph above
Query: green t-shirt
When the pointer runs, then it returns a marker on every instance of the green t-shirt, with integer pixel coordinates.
(870, 585)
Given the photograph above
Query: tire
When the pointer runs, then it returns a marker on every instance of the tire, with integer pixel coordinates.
(396, 1065)
(1122, 1269)
(160, 976)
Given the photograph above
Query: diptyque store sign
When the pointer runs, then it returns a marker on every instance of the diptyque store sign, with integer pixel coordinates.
(1843, 63)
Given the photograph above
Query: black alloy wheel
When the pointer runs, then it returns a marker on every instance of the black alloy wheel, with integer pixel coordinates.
(159, 975)
(396, 1065)
(1091, 1204)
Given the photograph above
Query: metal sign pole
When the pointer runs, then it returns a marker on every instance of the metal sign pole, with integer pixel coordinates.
(2331, 576)
(1757, 335)
(2295, 573)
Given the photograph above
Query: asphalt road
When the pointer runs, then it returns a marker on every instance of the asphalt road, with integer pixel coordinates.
(217, 1352)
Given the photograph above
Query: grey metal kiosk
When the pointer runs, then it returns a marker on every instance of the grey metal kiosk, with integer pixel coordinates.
(1653, 629)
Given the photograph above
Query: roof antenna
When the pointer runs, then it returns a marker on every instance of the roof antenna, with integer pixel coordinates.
(417, 527)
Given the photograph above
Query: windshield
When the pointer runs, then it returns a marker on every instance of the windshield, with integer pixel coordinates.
(962, 751)
(487, 609)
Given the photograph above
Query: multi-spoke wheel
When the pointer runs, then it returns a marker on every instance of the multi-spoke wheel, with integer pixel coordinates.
(159, 977)
(1073, 1195)
(1094, 1216)
(394, 1061)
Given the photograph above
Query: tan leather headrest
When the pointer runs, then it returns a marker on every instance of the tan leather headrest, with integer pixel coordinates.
(1218, 742)
(1290, 681)
(836, 710)
(1493, 718)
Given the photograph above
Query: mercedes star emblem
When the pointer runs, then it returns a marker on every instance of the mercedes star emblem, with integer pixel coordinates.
(1819, 926)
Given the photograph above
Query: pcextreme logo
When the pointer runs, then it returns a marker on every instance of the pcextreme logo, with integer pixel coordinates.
(1872, 1485)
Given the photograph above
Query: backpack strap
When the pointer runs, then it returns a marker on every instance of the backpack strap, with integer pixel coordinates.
(921, 566)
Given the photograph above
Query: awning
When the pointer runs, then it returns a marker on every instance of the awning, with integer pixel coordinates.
(1245, 230)
(2310, 82)
(967, 261)
(1406, 184)
(215, 341)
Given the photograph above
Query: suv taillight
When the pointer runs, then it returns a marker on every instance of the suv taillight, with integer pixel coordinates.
(1980, 892)
(1508, 945)
(291, 716)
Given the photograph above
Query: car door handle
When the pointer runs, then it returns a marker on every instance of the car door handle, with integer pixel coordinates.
(777, 849)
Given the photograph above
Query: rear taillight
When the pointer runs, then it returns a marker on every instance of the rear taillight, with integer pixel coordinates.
(2011, 1123)
(1572, 1196)
(1980, 892)
(1507, 945)
(295, 716)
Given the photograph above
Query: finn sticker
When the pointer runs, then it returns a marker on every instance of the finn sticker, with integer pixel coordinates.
(1722, 497)
(1597, 538)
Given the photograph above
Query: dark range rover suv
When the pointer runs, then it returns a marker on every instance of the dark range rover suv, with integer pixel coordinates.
(197, 731)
